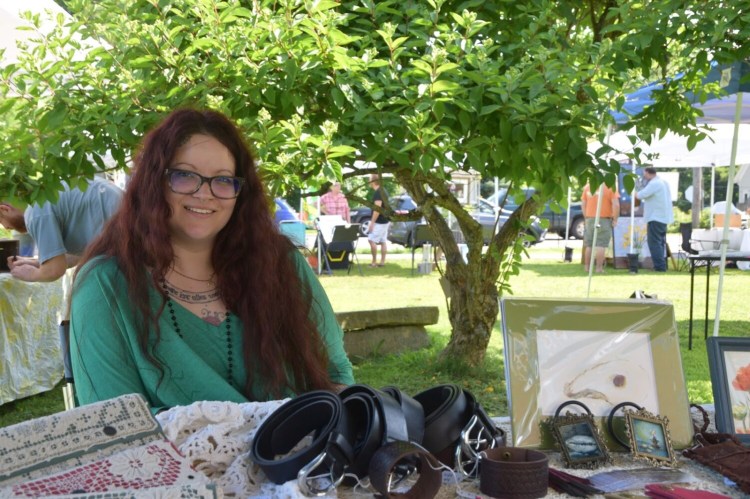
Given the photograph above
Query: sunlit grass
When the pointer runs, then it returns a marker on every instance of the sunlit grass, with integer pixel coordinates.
(544, 274)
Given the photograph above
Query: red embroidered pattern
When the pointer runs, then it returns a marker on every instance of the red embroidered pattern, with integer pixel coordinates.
(152, 465)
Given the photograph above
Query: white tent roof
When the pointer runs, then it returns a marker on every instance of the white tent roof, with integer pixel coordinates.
(673, 152)
(10, 19)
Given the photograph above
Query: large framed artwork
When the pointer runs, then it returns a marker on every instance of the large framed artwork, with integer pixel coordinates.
(729, 365)
(600, 353)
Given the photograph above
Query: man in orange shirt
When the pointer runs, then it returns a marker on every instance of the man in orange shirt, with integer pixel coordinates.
(610, 210)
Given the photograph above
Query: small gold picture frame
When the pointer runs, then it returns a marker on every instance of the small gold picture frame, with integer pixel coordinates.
(649, 437)
(579, 440)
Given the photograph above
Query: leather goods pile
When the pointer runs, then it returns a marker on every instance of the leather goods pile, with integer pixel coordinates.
(323, 439)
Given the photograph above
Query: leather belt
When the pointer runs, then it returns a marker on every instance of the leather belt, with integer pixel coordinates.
(379, 418)
(457, 428)
(386, 461)
(513, 473)
(319, 413)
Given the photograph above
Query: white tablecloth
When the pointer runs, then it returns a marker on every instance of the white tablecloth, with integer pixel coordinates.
(745, 246)
(30, 358)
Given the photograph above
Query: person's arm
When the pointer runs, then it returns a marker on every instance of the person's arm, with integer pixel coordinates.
(324, 205)
(374, 216)
(347, 216)
(584, 201)
(102, 361)
(339, 366)
(615, 209)
(49, 270)
(647, 191)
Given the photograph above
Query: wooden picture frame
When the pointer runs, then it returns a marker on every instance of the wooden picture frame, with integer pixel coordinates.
(580, 442)
(598, 352)
(649, 437)
(729, 366)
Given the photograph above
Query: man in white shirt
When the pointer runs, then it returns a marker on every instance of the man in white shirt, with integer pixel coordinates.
(657, 211)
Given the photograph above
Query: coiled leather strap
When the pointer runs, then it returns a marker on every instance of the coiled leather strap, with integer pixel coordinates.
(318, 413)
(448, 410)
(377, 418)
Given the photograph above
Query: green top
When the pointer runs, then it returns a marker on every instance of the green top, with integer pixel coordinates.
(107, 360)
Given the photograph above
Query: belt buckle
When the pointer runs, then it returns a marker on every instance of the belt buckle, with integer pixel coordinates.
(306, 482)
(471, 447)
(400, 473)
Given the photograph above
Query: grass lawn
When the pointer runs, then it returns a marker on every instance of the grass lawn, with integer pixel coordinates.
(543, 275)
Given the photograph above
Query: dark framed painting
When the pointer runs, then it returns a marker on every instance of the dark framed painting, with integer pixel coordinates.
(649, 437)
(729, 365)
(579, 440)
(597, 352)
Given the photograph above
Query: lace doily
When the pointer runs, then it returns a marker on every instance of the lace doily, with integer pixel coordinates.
(215, 437)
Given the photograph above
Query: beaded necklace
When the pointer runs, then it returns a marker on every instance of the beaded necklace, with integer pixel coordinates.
(230, 357)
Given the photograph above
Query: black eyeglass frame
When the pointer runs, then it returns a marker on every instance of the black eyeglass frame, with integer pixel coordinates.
(239, 182)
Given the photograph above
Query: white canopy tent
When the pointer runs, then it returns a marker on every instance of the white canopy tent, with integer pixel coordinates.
(10, 20)
(729, 115)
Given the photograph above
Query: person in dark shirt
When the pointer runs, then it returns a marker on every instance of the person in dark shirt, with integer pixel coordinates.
(377, 232)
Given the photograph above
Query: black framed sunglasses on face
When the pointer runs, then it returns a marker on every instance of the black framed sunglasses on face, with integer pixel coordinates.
(187, 182)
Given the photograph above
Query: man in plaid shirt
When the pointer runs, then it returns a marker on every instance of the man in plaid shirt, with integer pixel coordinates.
(334, 203)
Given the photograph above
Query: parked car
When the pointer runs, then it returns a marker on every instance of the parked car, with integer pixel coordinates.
(557, 219)
(486, 214)
(361, 215)
(404, 232)
(284, 212)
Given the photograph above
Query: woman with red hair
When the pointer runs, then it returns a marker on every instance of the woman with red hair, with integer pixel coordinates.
(191, 293)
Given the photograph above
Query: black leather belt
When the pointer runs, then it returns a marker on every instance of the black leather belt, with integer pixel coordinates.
(319, 413)
(379, 418)
(456, 427)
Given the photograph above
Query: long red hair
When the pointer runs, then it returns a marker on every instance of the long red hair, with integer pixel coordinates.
(255, 272)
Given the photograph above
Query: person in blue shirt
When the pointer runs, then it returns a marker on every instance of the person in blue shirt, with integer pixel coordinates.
(61, 230)
(657, 211)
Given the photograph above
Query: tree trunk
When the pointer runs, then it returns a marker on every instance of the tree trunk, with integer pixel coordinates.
(472, 310)
(471, 286)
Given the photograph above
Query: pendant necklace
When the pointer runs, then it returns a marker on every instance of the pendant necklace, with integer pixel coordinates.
(230, 357)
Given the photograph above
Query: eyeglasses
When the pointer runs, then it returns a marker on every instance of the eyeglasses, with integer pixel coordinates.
(185, 182)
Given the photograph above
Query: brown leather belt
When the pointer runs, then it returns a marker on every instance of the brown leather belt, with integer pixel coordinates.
(513, 473)
(388, 458)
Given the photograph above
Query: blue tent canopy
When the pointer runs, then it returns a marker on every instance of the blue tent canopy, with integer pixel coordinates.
(733, 79)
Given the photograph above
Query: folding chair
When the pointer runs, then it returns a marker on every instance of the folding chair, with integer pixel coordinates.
(295, 231)
(422, 235)
(343, 241)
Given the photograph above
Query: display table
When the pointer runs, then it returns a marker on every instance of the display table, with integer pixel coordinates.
(116, 445)
(30, 358)
(708, 259)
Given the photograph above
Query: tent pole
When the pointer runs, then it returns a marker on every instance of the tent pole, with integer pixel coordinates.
(567, 219)
(727, 211)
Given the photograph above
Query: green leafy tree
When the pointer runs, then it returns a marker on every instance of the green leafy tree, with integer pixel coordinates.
(421, 89)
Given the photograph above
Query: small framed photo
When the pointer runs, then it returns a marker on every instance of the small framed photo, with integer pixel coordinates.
(649, 437)
(580, 443)
(729, 365)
